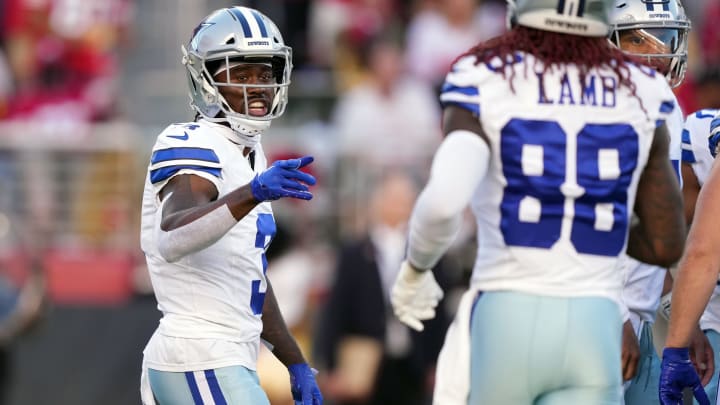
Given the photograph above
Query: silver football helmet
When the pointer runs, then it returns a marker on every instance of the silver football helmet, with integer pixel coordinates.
(224, 39)
(654, 30)
(588, 18)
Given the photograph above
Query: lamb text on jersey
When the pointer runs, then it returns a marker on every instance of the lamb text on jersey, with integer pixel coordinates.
(596, 91)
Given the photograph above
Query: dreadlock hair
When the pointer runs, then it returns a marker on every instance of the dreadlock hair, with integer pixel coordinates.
(554, 50)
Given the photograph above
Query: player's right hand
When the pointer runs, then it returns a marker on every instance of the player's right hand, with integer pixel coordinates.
(677, 373)
(414, 296)
(283, 179)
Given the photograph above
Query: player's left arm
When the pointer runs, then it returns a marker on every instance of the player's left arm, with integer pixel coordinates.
(275, 331)
(284, 346)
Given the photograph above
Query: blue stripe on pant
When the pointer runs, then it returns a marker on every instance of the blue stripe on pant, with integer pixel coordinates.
(537, 350)
(222, 386)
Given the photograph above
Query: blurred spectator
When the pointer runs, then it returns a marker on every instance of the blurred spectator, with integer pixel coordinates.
(368, 356)
(445, 29)
(701, 89)
(22, 290)
(339, 28)
(5, 82)
(708, 87)
(710, 33)
(389, 118)
(63, 55)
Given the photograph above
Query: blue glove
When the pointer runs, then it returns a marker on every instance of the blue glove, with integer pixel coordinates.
(303, 386)
(283, 179)
(677, 373)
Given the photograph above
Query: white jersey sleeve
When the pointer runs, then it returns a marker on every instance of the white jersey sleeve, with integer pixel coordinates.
(695, 148)
(184, 149)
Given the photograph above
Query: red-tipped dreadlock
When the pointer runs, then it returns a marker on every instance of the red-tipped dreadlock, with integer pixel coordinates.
(555, 49)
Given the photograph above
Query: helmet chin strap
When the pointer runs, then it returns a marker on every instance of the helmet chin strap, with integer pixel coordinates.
(247, 132)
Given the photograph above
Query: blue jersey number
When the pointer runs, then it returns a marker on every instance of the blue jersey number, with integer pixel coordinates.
(265, 231)
(540, 176)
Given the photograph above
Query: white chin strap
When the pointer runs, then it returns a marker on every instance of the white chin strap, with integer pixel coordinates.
(247, 132)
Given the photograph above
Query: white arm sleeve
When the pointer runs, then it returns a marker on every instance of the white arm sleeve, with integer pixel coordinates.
(459, 165)
(196, 235)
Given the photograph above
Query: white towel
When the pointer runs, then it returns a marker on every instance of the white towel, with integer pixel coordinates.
(452, 375)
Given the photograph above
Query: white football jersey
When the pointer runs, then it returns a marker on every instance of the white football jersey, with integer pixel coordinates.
(643, 283)
(216, 293)
(696, 152)
(554, 208)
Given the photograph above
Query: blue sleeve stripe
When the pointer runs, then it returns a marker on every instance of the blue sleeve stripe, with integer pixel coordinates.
(686, 137)
(465, 90)
(704, 114)
(165, 173)
(472, 107)
(659, 123)
(667, 106)
(688, 156)
(715, 124)
(163, 155)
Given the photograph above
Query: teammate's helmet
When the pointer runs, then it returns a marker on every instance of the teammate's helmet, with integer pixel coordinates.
(660, 27)
(223, 39)
(589, 18)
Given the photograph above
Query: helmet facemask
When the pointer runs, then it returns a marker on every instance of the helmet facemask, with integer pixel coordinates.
(216, 76)
(654, 31)
(663, 48)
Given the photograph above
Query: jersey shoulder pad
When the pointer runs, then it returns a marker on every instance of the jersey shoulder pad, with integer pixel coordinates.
(188, 147)
(462, 85)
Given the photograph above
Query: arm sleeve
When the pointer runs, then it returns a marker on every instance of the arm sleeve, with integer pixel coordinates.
(459, 165)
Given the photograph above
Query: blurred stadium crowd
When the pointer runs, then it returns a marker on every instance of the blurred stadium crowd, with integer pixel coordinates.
(86, 85)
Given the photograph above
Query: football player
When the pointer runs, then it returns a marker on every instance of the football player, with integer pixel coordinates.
(657, 34)
(697, 160)
(207, 221)
(551, 133)
(696, 279)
